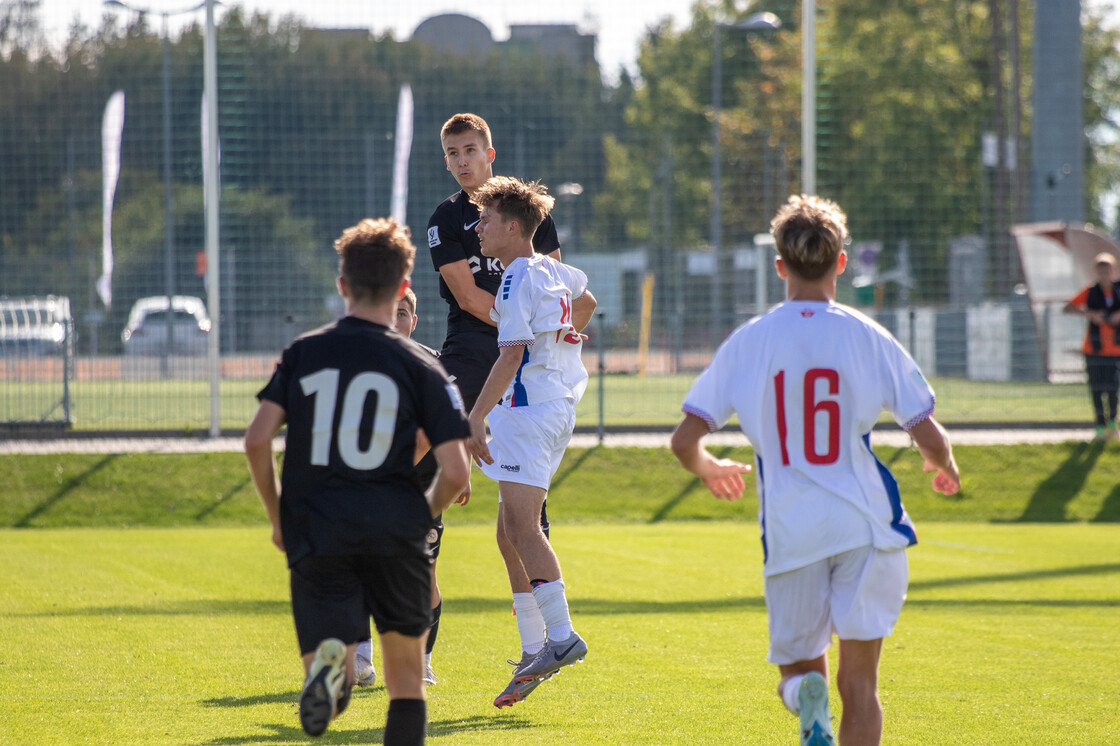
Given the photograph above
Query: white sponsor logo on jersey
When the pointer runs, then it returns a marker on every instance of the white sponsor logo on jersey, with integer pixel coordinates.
(433, 237)
(468, 226)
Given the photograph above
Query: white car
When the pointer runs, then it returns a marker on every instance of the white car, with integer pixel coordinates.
(146, 332)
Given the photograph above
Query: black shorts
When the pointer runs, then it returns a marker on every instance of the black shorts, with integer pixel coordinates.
(336, 596)
(1104, 372)
(435, 536)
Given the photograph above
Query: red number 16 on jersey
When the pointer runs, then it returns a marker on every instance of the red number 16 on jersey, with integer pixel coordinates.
(810, 408)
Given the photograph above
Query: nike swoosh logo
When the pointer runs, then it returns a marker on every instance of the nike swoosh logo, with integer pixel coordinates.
(562, 656)
(468, 226)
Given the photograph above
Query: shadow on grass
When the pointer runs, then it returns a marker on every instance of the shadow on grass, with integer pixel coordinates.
(471, 728)
(293, 734)
(223, 499)
(1053, 494)
(214, 607)
(1019, 577)
(272, 698)
(694, 483)
(1110, 508)
(71, 484)
(570, 468)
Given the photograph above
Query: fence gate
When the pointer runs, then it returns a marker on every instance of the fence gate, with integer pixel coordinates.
(36, 361)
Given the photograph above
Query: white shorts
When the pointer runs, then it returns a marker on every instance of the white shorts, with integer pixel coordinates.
(856, 594)
(528, 442)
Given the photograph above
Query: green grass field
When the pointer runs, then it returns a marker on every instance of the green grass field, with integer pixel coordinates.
(157, 636)
(628, 401)
(144, 604)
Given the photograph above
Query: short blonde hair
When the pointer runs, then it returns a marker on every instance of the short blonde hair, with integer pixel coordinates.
(809, 232)
(526, 202)
(374, 257)
(1104, 258)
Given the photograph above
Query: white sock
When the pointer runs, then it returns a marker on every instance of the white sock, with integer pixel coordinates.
(428, 660)
(554, 608)
(530, 623)
(790, 692)
(365, 649)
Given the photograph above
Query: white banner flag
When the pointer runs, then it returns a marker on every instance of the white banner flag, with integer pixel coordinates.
(112, 126)
(398, 203)
(206, 171)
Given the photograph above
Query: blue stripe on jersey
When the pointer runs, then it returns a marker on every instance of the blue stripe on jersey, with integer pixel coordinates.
(891, 485)
(762, 507)
(520, 395)
(505, 287)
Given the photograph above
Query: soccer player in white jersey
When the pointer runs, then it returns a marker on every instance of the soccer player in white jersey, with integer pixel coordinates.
(530, 397)
(808, 380)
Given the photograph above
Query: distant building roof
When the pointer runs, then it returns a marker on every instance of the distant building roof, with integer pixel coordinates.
(462, 34)
(454, 32)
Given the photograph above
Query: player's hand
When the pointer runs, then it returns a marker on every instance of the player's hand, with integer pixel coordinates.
(465, 497)
(945, 481)
(724, 478)
(476, 444)
(278, 538)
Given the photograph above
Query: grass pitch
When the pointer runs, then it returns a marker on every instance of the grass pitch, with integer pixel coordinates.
(166, 636)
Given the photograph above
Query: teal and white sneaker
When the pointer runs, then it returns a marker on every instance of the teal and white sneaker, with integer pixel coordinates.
(552, 657)
(516, 690)
(430, 678)
(318, 702)
(816, 722)
(364, 672)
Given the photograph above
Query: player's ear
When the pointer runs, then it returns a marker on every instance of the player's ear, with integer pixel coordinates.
(415, 318)
(405, 283)
(841, 262)
(447, 163)
(490, 153)
(342, 289)
(780, 268)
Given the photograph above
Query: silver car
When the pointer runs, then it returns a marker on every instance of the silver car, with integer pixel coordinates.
(146, 332)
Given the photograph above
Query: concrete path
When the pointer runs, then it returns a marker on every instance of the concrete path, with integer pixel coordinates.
(890, 437)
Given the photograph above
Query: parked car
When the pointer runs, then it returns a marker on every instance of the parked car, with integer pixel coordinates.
(146, 332)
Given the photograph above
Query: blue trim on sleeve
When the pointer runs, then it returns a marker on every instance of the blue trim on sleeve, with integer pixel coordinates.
(895, 497)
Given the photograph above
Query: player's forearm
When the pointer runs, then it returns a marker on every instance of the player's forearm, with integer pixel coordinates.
(452, 477)
(686, 444)
(583, 309)
(262, 469)
(478, 304)
(933, 443)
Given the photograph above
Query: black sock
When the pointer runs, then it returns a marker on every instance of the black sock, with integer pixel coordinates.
(434, 629)
(1111, 406)
(1098, 407)
(406, 722)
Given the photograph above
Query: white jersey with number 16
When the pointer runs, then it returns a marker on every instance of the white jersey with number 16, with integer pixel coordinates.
(808, 380)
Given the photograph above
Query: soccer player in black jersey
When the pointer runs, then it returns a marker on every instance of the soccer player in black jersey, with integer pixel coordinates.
(349, 511)
(468, 282)
(364, 672)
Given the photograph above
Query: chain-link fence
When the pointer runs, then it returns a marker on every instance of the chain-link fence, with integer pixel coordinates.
(666, 170)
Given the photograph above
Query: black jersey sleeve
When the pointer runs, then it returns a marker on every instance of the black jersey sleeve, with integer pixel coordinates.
(445, 234)
(545, 240)
(276, 390)
(441, 411)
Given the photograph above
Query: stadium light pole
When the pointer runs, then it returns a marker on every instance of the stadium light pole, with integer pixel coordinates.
(168, 203)
(752, 23)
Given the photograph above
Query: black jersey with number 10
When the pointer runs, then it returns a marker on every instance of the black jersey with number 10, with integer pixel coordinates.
(354, 393)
